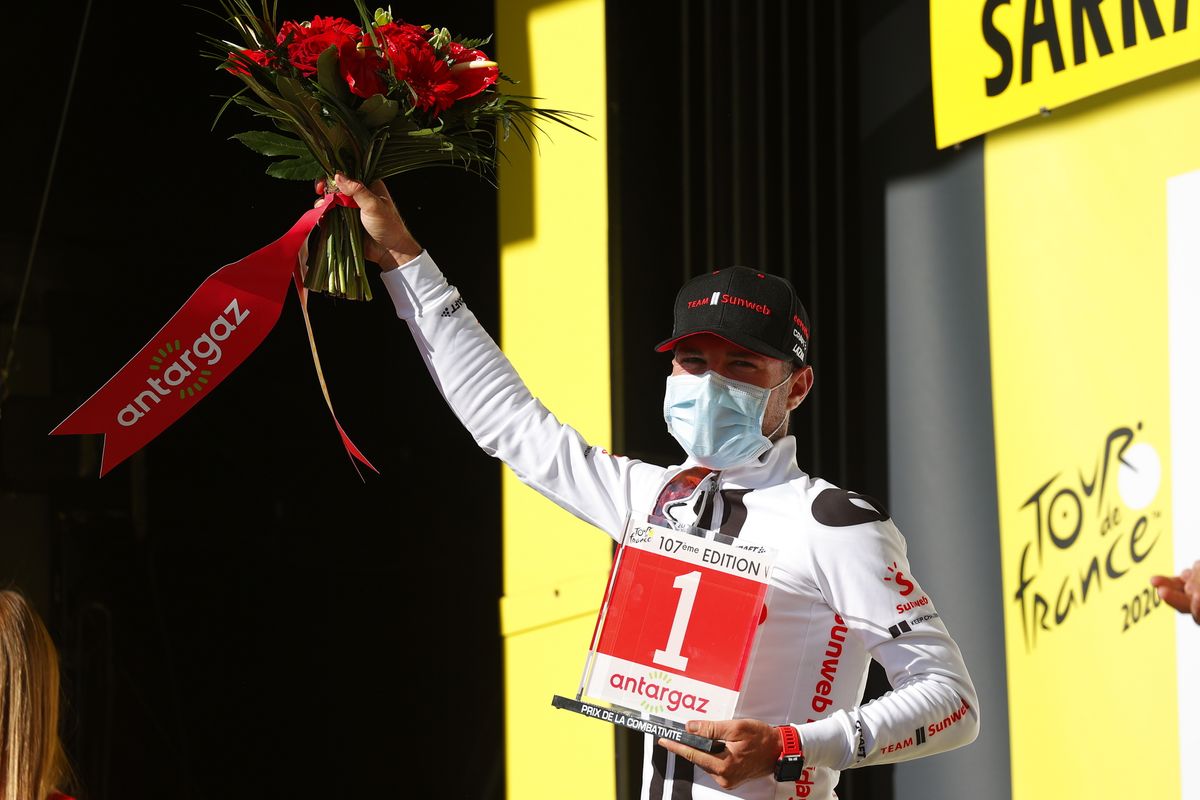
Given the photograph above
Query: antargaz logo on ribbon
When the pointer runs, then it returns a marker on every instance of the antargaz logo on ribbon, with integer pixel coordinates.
(177, 365)
(129, 409)
(197, 385)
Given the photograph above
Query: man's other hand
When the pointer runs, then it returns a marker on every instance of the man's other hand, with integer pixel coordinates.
(751, 749)
(1182, 592)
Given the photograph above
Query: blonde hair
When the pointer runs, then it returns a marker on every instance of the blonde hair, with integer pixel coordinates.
(32, 762)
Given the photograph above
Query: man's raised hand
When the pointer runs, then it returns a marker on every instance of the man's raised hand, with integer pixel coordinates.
(388, 241)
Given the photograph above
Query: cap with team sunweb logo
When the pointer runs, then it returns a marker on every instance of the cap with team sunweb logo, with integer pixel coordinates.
(753, 309)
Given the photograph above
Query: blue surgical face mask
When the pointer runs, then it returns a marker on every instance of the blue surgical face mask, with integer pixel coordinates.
(717, 421)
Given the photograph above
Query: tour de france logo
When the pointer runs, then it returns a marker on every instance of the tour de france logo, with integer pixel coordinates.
(1089, 526)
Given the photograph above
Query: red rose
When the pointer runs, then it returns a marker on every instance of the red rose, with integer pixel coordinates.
(309, 41)
(264, 58)
(401, 30)
(360, 66)
(417, 64)
(471, 80)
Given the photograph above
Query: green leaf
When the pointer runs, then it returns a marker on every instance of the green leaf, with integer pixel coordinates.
(348, 161)
(367, 21)
(474, 44)
(256, 107)
(293, 92)
(377, 111)
(272, 144)
(425, 131)
(225, 105)
(315, 122)
(329, 78)
(439, 39)
(304, 168)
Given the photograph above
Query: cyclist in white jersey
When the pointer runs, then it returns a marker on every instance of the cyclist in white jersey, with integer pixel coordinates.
(841, 592)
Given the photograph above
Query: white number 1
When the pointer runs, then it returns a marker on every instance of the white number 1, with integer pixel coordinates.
(688, 584)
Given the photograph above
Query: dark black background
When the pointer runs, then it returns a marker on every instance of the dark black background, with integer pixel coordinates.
(238, 614)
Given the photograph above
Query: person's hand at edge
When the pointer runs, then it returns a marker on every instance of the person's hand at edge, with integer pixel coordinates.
(388, 242)
(752, 748)
(1182, 591)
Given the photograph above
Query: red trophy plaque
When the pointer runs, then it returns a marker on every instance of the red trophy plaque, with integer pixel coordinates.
(675, 632)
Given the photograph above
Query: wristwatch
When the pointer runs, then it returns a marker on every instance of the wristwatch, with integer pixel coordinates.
(790, 765)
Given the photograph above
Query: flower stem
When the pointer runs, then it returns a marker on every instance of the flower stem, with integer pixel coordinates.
(339, 267)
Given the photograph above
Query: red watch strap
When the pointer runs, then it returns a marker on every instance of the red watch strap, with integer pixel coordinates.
(791, 741)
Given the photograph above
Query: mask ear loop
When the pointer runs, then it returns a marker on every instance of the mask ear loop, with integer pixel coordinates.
(786, 378)
(778, 428)
(782, 422)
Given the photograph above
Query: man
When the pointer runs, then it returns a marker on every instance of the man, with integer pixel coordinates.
(1182, 591)
(840, 592)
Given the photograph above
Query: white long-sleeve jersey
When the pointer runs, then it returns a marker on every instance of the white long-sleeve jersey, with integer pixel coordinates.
(841, 591)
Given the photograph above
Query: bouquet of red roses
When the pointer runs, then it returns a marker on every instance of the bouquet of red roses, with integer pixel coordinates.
(370, 101)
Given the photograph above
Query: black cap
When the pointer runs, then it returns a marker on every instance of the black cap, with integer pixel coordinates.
(753, 309)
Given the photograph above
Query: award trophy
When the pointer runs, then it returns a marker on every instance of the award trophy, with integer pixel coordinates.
(675, 631)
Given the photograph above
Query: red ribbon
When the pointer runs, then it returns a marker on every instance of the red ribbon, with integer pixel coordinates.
(225, 319)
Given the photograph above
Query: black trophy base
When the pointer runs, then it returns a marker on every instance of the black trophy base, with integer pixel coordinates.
(660, 729)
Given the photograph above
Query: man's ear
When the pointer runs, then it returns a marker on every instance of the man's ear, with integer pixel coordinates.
(800, 387)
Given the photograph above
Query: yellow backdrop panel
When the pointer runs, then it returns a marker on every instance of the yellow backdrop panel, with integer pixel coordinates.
(554, 322)
(1077, 280)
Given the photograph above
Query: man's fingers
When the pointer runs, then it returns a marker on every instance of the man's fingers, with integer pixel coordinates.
(353, 188)
(701, 759)
(381, 191)
(730, 730)
(366, 199)
(681, 750)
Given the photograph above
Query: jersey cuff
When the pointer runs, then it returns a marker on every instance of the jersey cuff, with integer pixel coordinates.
(415, 286)
(827, 741)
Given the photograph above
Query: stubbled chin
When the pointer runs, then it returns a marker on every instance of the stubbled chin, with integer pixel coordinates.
(778, 434)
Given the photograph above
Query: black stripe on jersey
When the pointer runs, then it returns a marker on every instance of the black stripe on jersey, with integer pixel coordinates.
(733, 515)
(682, 776)
(681, 780)
(705, 519)
(898, 629)
(658, 760)
(920, 736)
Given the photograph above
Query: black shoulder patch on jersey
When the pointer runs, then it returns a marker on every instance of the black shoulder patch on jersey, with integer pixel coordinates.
(833, 507)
